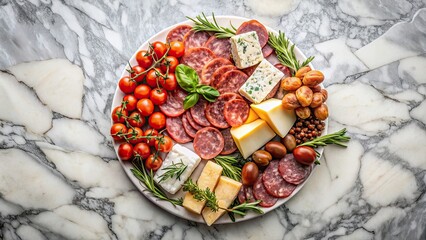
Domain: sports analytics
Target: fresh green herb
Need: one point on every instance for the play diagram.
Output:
(201, 195)
(244, 207)
(285, 51)
(175, 170)
(231, 166)
(190, 100)
(338, 138)
(201, 23)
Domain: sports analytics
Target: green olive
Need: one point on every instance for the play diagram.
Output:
(289, 142)
(276, 149)
(262, 158)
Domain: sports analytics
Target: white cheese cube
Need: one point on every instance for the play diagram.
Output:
(246, 50)
(261, 82)
(178, 156)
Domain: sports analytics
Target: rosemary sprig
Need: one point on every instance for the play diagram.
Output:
(231, 166)
(285, 51)
(175, 170)
(244, 207)
(203, 24)
(338, 138)
(201, 195)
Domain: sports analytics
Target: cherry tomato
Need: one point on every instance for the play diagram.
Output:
(158, 96)
(142, 91)
(153, 76)
(117, 129)
(157, 120)
(153, 162)
(127, 85)
(144, 59)
(118, 115)
(159, 49)
(170, 62)
(136, 120)
(145, 107)
(125, 151)
(137, 71)
(150, 133)
(249, 173)
(130, 102)
(142, 150)
(164, 144)
(170, 83)
(177, 49)
(304, 155)
(135, 135)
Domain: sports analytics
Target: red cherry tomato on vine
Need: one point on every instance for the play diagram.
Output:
(136, 120)
(153, 162)
(142, 91)
(137, 71)
(177, 49)
(158, 96)
(142, 150)
(145, 107)
(164, 144)
(150, 133)
(157, 120)
(130, 102)
(134, 135)
(118, 115)
(304, 155)
(118, 129)
(127, 85)
(170, 83)
(159, 49)
(153, 76)
(169, 62)
(125, 151)
(144, 59)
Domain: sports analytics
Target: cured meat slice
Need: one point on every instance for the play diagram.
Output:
(188, 128)
(267, 50)
(229, 144)
(177, 33)
(274, 183)
(249, 194)
(231, 81)
(242, 195)
(211, 67)
(173, 106)
(214, 111)
(198, 113)
(208, 142)
(191, 121)
(176, 131)
(261, 194)
(219, 73)
(197, 57)
(254, 25)
(292, 171)
(283, 69)
(273, 91)
(250, 70)
(195, 39)
(236, 112)
(220, 46)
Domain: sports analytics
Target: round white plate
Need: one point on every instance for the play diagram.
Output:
(177, 210)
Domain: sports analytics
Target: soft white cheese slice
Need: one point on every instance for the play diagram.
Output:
(246, 50)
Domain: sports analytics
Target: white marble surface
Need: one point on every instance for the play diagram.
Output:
(59, 63)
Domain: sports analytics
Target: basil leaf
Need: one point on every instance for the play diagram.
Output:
(190, 100)
(187, 77)
(209, 93)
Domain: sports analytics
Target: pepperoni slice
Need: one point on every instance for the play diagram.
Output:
(249, 195)
(250, 70)
(173, 106)
(188, 128)
(208, 142)
(219, 73)
(176, 131)
(195, 39)
(292, 171)
(273, 91)
(191, 121)
(261, 194)
(220, 46)
(236, 112)
(274, 183)
(231, 81)
(211, 67)
(283, 69)
(254, 25)
(242, 195)
(177, 33)
(229, 145)
(214, 111)
(198, 113)
(197, 57)
(267, 50)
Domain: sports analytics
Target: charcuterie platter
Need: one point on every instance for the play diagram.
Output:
(220, 119)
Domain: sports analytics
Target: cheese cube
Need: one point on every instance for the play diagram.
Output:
(226, 191)
(246, 50)
(208, 179)
(178, 155)
(252, 136)
(252, 116)
(261, 82)
(278, 118)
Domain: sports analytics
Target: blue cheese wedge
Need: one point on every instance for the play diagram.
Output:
(179, 157)
(261, 82)
(246, 50)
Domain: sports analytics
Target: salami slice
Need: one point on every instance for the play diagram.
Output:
(219, 73)
(211, 67)
(176, 131)
(231, 81)
(188, 128)
(220, 46)
(267, 50)
(177, 33)
(236, 112)
(198, 113)
(254, 25)
(283, 69)
(197, 57)
(274, 183)
(261, 194)
(214, 111)
(242, 195)
(173, 106)
(195, 39)
(250, 70)
(273, 91)
(229, 144)
(192, 122)
(249, 194)
(292, 171)
(208, 142)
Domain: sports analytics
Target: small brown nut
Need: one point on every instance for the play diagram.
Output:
(303, 112)
(304, 95)
(302, 71)
(321, 112)
(291, 83)
(290, 102)
(313, 78)
(324, 95)
(316, 88)
(317, 100)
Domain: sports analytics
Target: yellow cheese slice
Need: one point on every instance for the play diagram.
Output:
(252, 116)
(226, 191)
